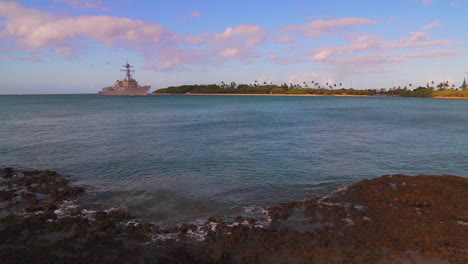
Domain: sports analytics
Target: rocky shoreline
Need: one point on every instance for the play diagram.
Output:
(390, 219)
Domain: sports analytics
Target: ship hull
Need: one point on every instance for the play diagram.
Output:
(140, 91)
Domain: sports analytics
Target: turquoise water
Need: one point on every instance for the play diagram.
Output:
(177, 158)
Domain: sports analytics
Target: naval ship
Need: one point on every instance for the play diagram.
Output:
(127, 86)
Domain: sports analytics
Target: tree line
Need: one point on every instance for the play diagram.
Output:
(442, 89)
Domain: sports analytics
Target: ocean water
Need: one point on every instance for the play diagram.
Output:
(170, 159)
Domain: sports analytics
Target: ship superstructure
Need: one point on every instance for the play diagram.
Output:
(128, 86)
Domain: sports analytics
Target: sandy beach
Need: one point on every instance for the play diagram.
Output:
(449, 97)
(209, 94)
(306, 95)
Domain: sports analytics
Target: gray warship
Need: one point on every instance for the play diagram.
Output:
(127, 86)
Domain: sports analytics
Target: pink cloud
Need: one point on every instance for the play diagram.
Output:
(431, 25)
(34, 30)
(173, 58)
(392, 20)
(85, 4)
(20, 58)
(193, 40)
(382, 63)
(319, 27)
(196, 14)
(417, 40)
(285, 38)
(230, 52)
(427, 2)
(436, 53)
(246, 36)
(191, 16)
(373, 59)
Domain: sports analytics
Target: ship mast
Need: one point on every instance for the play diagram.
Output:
(128, 71)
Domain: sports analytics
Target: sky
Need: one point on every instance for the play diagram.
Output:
(73, 46)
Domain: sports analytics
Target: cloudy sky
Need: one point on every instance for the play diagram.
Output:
(78, 46)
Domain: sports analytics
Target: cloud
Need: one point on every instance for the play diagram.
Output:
(175, 58)
(194, 40)
(34, 30)
(285, 38)
(20, 58)
(431, 25)
(417, 40)
(382, 63)
(246, 36)
(372, 59)
(436, 53)
(392, 20)
(231, 52)
(427, 2)
(85, 4)
(319, 27)
(196, 14)
(193, 15)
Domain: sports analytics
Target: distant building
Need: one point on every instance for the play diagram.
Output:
(464, 84)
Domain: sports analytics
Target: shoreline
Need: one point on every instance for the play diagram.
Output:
(449, 97)
(387, 219)
(305, 95)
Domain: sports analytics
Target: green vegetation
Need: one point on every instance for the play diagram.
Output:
(259, 89)
(451, 93)
(443, 90)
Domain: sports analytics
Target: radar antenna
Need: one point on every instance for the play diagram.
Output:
(128, 71)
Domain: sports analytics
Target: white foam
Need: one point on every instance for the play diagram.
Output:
(213, 226)
(89, 214)
(259, 214)
(198, 235)
(349, 221)
(65, 208)
(164, 237)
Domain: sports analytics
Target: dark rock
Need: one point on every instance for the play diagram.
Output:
(391, 219)
(8, 172)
